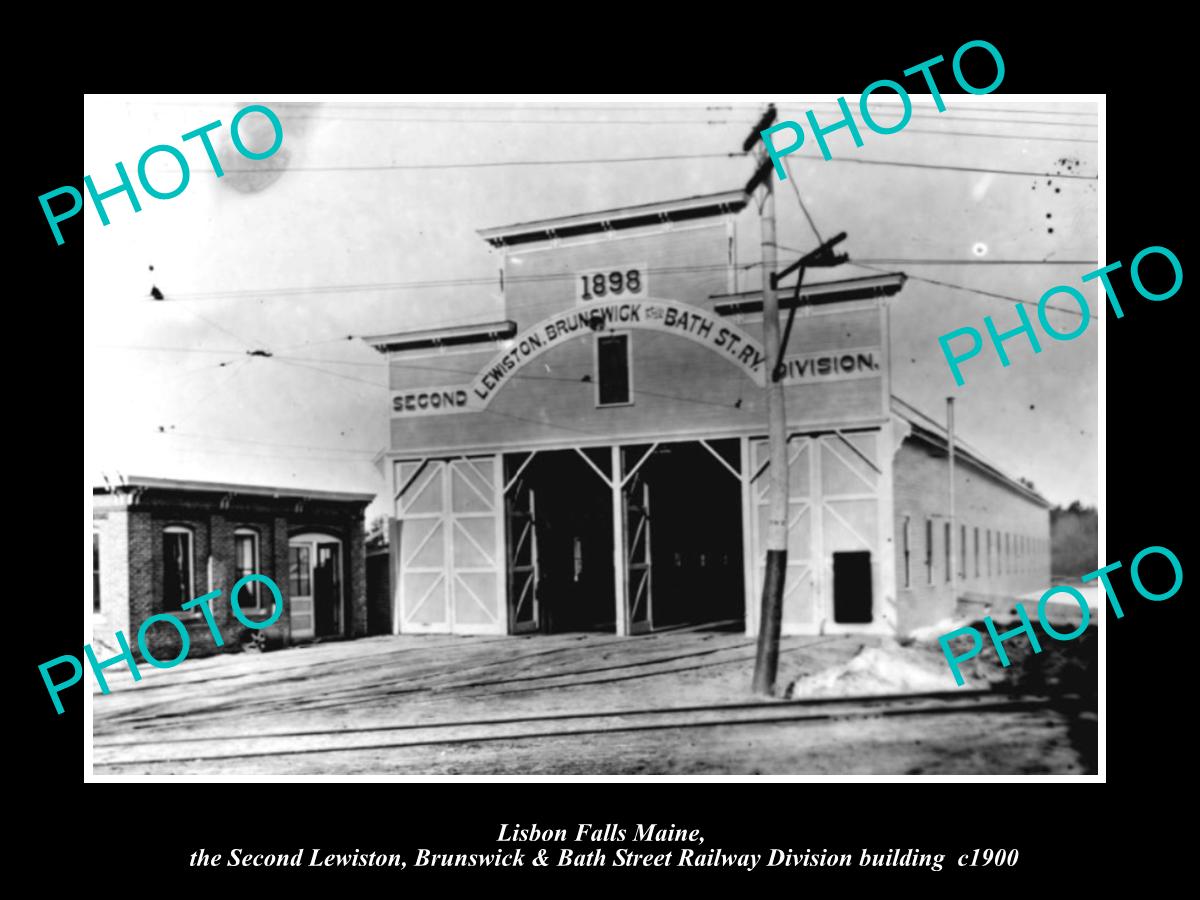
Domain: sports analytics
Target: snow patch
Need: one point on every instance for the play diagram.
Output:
(876, 670)
(931, 633)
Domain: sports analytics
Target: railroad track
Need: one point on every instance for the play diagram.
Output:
(219, 747)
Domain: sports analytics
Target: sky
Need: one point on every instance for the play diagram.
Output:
(369, 201)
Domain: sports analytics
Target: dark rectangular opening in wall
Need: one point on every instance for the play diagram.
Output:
(612, 363)
(695, 534)
(559, 542)
(852, 587)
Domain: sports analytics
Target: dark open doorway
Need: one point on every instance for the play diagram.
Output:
(559, 515)
(696, 534)
(327, 589)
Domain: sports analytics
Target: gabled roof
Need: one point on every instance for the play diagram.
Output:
(926, 428)
(442, 337)
(813, 294)
(620, 218)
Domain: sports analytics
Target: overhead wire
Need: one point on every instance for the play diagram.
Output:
(519, 279)
(982, 293)
(946, 168)
(800, 200)
(492, 164)
(211, 437)
(931, 113)
(681, 122)
(471, 373)
(934, 281)
(296, 361)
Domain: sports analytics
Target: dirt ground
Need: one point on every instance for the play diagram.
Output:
(343, 708)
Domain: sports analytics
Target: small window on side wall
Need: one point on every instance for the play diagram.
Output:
(852, 587)
(245, 545)
(177, 567)
(613, 386)
(95, 571)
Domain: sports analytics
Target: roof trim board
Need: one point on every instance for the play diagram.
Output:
(621, 218)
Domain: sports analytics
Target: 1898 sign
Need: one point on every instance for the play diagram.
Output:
(605, 284)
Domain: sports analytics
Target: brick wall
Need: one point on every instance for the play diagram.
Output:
(214, 568)
(133, 568)
(356, 566)
(280, 634)
(922, 491)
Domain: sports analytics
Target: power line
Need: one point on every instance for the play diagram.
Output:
(1009, 109)
(166, 349)
(895, 260)
(971, 290)
(945, 168)
(473, 373)
(233, 371)
(800, 200)
(1004, 137)
(263, 443)
(569, 162)
(431, 283)
(450, 105)
(402, 119)
(976, 262)
(583, 106)
(335, 340)
(374, 384)
(220, 328)
(209, 452)
(919, 113)
(489, 165)
(677, 122)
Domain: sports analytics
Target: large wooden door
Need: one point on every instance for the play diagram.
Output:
(451, 550)
(300, 590)
(833, 508)
(801, 609)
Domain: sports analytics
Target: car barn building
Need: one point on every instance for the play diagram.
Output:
(595, 458)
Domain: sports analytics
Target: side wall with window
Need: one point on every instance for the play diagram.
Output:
(922, 495)
(176, 556)
(110, 611)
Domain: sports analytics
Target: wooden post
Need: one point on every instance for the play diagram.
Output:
(766, 662)
(620, 570)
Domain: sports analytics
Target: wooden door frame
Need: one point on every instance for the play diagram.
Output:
(312, 539)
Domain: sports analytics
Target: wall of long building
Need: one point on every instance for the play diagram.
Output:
(1013, 531)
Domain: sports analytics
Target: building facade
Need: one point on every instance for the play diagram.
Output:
(595, 458)
(158, 543)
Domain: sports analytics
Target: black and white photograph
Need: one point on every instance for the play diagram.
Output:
(596, 435)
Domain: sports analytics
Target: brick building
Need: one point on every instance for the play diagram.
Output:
(599, 461)
(158, 543)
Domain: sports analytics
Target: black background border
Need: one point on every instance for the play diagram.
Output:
(148, 828)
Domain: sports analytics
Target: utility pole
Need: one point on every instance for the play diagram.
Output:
(953, 524)
(766, 662)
